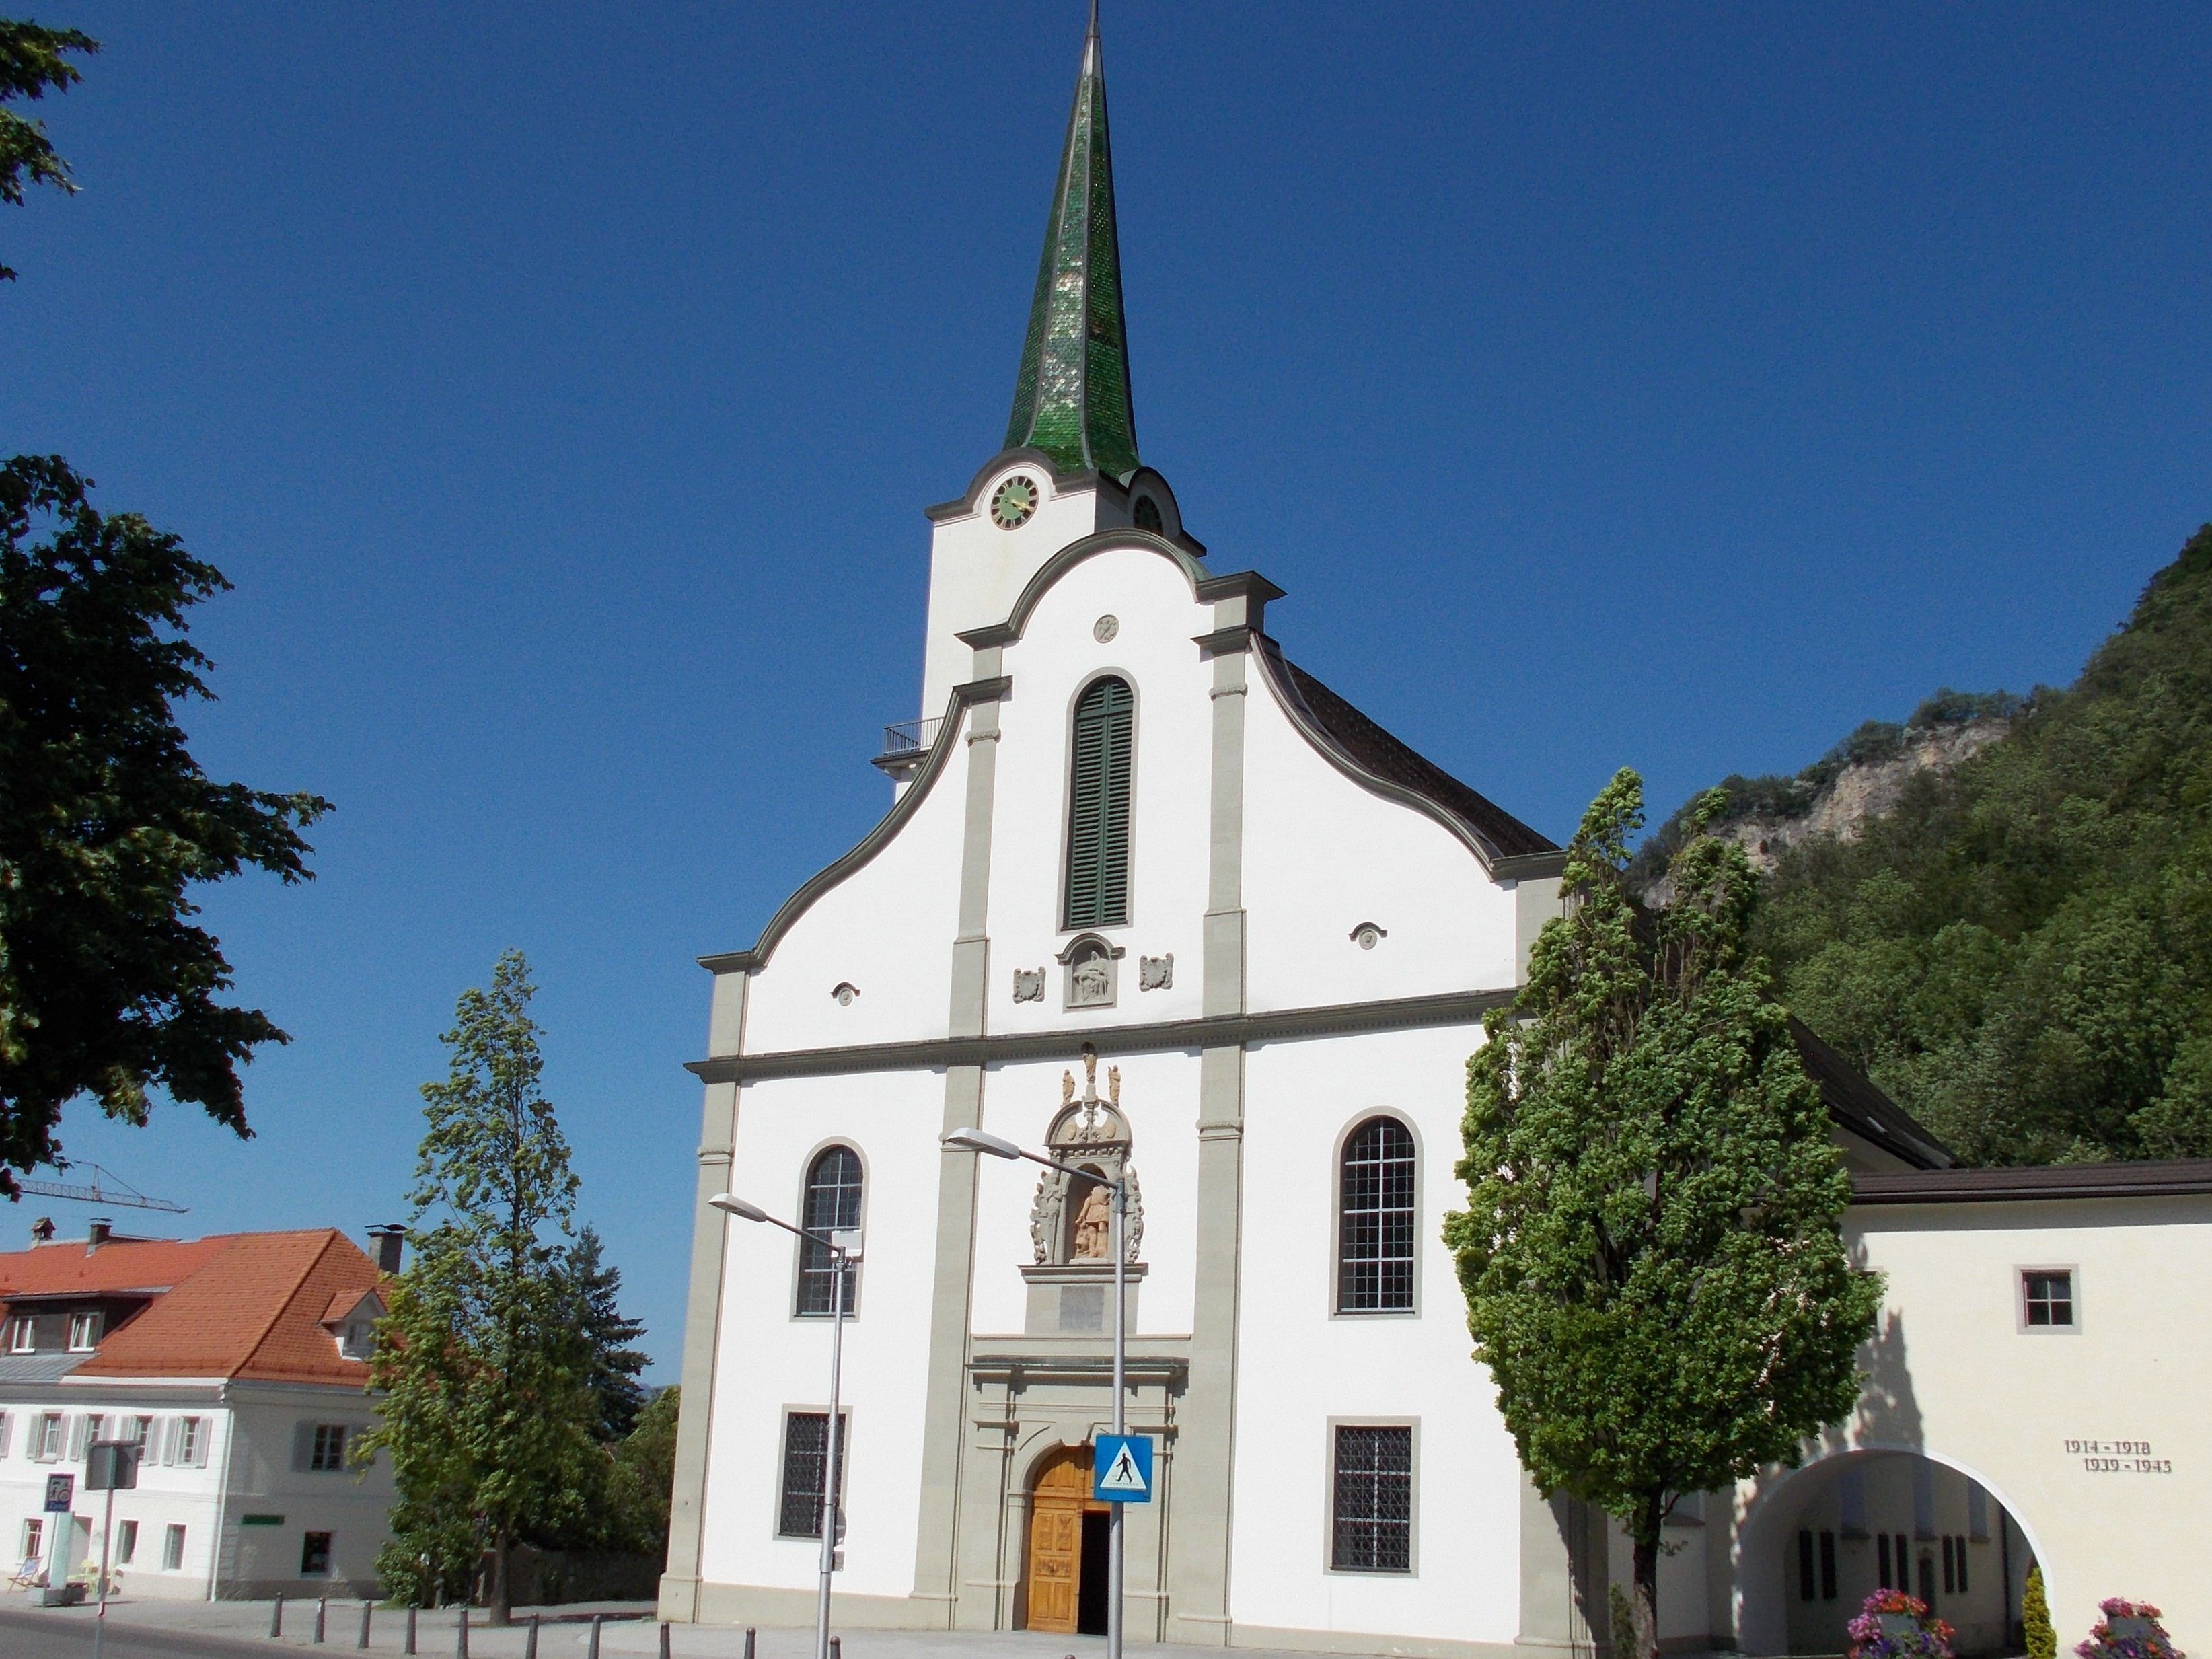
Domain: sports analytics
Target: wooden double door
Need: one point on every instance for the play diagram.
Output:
(1068, 1545)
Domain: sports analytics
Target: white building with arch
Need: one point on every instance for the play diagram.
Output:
(1129, 827)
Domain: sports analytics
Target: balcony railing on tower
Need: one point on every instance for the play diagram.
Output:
(907, 745)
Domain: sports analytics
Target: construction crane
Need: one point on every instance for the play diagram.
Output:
(106, 1187)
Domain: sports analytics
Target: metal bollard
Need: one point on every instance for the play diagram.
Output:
(664, 1642)
(410, 1646)
(364, 1624)
(591, 1648)
(277, 1620)
(322, 1611)
(750, 1634)
(836, 1647)
(461, 1634)
(530, 1642)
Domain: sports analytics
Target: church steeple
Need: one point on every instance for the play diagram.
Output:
(1072, 400)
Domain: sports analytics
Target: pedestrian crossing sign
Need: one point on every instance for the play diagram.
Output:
(1122, 1468)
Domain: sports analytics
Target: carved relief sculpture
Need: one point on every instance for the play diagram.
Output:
(1028, 985)
(1156, 972)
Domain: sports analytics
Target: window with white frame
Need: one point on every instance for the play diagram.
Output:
(327, 1451)
(7, 1431)
(172, 1546)
(2047, 1301)
(357, 1339)
(137, 1431)
(1371, 1507)
(82, 1433)
(47, 1437)
(34, 1538)
(22, 1334)
(187, 1441)
(832, 1204)
(83, 1332)
(127, 1542)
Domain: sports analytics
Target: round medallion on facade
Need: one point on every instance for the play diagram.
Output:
(1105, 628)
(1014, 502)
(1367, 935)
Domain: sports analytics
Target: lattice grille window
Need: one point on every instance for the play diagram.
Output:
(805, 1447)
(1372, 1526)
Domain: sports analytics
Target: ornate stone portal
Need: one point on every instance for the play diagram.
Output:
(1072, 1220)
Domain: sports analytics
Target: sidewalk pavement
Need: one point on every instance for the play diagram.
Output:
(629, 1633)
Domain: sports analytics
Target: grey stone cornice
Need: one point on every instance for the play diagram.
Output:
(1066, 1042)
(1498, 865)
(964, 697)
(1085, 547)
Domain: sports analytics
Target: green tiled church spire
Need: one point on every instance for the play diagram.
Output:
(1072, 400)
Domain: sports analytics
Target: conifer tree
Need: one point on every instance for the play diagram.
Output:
(487, 1412)
(616, 1365)
(1650, 1252)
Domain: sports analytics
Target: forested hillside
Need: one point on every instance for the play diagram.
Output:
(2020, 949)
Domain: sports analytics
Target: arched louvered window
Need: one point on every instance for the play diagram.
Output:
(833, 1202)
(1374, 1220)
(1098, 806)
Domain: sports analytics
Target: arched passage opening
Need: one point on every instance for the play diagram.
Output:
(1822, 1539)
(1064, 1579)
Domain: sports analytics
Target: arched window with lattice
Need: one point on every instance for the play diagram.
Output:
(1375, 1231)
(832, 1203)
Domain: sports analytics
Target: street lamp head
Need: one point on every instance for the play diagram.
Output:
(975, 1141)
(731, 1204)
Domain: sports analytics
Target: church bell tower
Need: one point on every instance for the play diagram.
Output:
(1069, 467)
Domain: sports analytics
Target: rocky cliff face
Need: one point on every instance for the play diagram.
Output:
(1861, 777)
(1862, 790)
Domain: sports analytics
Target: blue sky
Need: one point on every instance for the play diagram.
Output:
(1673, 387)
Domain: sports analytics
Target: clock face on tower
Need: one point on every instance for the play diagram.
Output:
(1013, 502)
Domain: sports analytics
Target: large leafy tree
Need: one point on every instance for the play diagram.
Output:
(1654, 1271)
(106, 987)
(106, 821)
(33, 61)
(488, 1414)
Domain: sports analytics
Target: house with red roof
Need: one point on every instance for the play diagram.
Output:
(238, 1366)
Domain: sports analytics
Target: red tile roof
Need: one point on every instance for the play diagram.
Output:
(248, 1306)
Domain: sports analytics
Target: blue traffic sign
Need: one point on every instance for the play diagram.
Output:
(1122, 1468)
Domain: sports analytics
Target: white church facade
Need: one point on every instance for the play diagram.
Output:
(1151, 895)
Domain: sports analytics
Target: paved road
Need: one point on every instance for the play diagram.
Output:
(37, 1635)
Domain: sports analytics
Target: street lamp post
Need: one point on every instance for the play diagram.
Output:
(844, 1248)
(976, 1140)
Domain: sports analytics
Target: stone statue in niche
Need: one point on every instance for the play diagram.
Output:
(1028, 985)
(1094, 1227)
(1072, 1220)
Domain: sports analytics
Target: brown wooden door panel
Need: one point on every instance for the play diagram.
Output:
(1057, 1502)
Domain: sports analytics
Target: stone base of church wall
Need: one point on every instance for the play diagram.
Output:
(1367, 1642)
(710, 1603)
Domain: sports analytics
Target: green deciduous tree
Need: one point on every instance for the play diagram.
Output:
(1650, 1252)
(106, 821)
(487, 1412)
(33, 61)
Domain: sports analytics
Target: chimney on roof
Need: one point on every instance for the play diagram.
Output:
(42, 1231)
(97, 1234)
(388, 1238)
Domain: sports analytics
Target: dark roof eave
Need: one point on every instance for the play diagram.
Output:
(2169, 1178)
